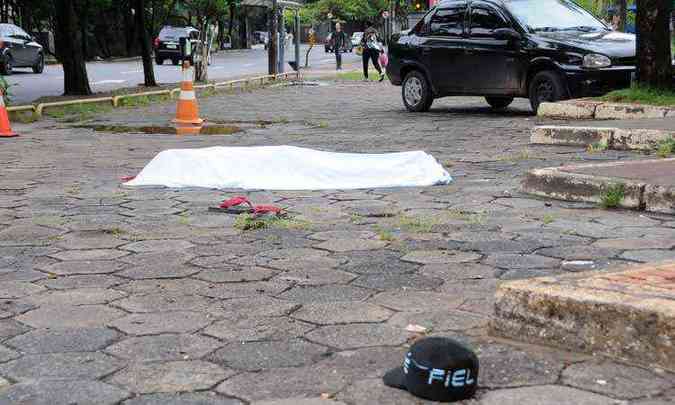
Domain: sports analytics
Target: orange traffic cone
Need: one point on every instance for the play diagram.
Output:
(187, 112)
(5, 128)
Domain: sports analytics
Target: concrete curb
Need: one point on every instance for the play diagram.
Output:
(614, 138)
(612, 314)
(562, 183)
(38, 109)
(591, 109)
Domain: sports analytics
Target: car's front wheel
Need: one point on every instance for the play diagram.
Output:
(7, 67)
(417, 94)
(499, 103)
(546, 86)
(39, 66)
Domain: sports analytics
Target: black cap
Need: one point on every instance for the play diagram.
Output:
(437, 368)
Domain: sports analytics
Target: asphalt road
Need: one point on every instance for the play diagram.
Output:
(107, 76)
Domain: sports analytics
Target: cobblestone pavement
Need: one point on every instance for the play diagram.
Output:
(141, 296)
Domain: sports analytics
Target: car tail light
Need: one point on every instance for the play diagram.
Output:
(156, 42)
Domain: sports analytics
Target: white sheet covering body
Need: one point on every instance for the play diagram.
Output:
(289, 168)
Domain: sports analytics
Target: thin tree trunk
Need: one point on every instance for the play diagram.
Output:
(621, 10)
(69, 49)
(144, 39)
(233, 9)
(653, 43)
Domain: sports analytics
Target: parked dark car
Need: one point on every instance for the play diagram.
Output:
(18, 49)
(545, 50)
(167, 43)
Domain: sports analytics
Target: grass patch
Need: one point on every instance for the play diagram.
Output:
(77, 112)
(666, 148)
(356, 76)
(24, 117)
(385, 234)
(524, 154)
(417, 224)
(641, 95)
(548, 219)
(143, 101)
(598, 147)
(248, 222)
(613, 196)
(115, 232)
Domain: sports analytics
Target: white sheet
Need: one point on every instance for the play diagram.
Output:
(289, 168)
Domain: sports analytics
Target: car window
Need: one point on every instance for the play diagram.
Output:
(448, 22)
(174, 33)
(484, 21)
(20, 32)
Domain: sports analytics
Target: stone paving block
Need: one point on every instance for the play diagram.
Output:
(254, 307)
(85, 267)
(545, 394)
(168, 286)
(163, 302)
(164, 347)
(62, 392)
(89, 240)
(332, 293)
(21, 275)
(373, 391)
(350, 245)
(316, 276)
(18, 289)
(504, 366)
(649, 256)
(91, 254)
(165, 322)
(82, 281)
(254, 356)
(253, 329)
(355, 336)
(244, 290)
(80, 296)
(514, 261)
(42, 341)
(440, 257)
(381, 261)
(464, 271)
(636, 244)
(620, 314)
(617, 380)
(334, 313)
(7, 354)
(417, 301)
(174, 376)
(155, 246)
(60, 366)
(201, 398)
(158, 272)
(439, 321)
(66, 316)
(394, 281)
(236, 274)
(28, 235)
(10, 328)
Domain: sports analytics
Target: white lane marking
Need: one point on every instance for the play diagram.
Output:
(217, 67)
(327, 60)
(109, 82)
(131, 72)
(249, 64)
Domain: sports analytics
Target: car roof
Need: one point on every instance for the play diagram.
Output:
(451, 2)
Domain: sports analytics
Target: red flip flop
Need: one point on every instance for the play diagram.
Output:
(236, 205)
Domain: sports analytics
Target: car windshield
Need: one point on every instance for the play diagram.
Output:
(553, 15)
(173, 33)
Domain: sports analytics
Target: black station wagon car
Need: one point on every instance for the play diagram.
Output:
(545, 50)
(18, 49)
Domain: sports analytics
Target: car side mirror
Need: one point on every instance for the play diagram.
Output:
(507, 34)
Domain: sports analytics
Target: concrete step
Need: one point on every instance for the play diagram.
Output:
(645, 139)
(647, 185)
(628, 315)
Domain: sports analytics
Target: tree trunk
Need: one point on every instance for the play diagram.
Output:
(233, 10)
(69, 49)
(243, 28)
(621, 11)
(144, 39)
(653, 43)
(273, 44)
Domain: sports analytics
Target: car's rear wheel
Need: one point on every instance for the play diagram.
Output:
(39, 66)
(159, 61)
(417, 94)
(499, 103)
(546, 86)
(7, 67)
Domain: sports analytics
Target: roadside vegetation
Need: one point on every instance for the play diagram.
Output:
(613, 196)
(641, 95)
(666, 148)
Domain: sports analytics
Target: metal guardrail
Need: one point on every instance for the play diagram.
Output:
(38, 109)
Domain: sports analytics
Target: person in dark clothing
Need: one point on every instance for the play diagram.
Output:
(339, 43)
(371, 52)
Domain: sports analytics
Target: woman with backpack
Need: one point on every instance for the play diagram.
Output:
(372, 48)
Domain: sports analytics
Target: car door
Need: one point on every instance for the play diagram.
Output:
(16, 45)
(442, 48)
(495, 64)
(24, 55)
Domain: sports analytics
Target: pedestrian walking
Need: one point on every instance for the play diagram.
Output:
(339, 43)
(372, 48)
